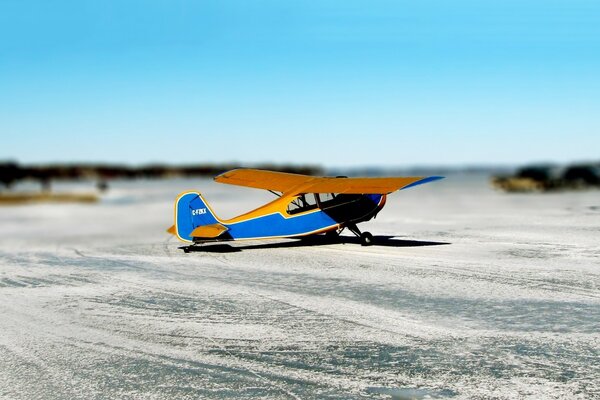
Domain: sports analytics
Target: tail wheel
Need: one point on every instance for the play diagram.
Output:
(366, 239)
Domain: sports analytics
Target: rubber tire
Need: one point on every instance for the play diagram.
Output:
(186, 250)
(366, 239)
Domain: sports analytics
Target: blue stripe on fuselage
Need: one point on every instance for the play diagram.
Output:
(277, 225)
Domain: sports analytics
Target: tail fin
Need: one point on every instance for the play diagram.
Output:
(191, 211)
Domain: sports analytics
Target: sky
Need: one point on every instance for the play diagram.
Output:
(334, 83)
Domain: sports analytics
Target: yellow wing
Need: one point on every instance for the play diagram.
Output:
(295, 183)
(262, 179)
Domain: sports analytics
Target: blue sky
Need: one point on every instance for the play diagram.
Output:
(338, 83)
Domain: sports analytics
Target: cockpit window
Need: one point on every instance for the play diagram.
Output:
(325, 197)
(304, 202)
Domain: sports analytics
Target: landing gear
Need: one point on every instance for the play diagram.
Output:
(366, 239)
(190, 248)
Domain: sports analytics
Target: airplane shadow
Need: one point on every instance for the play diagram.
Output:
(320, 240)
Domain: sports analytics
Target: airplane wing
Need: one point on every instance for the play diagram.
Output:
(366, 185)
(295, 183)
(263, 179)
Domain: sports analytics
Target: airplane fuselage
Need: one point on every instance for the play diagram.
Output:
(308, 205)
(287, 216)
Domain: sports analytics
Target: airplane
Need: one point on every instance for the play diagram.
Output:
(306, 205)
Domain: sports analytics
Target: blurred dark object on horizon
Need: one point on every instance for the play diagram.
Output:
(12, 172)
(9, 199)
(550, 177)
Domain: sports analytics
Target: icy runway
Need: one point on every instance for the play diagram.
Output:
(470, 294)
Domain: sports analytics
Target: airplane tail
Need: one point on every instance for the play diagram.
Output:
(191, 212)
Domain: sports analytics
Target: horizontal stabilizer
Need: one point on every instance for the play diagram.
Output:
(209, 231)
(172, 230)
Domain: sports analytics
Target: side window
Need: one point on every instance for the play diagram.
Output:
(304, 202)
(327, 199)
(293, 207)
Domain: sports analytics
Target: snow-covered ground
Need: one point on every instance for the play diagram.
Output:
(477, 295)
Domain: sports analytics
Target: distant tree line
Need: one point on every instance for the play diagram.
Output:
(12, 172)
(546, 177)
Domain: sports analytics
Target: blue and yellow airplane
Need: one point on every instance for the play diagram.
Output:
(306, 205)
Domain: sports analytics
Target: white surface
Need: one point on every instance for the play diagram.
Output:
(96, 301)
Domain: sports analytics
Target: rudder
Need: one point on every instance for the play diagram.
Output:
(191, 211)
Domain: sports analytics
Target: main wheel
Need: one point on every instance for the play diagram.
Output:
(366, 239)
